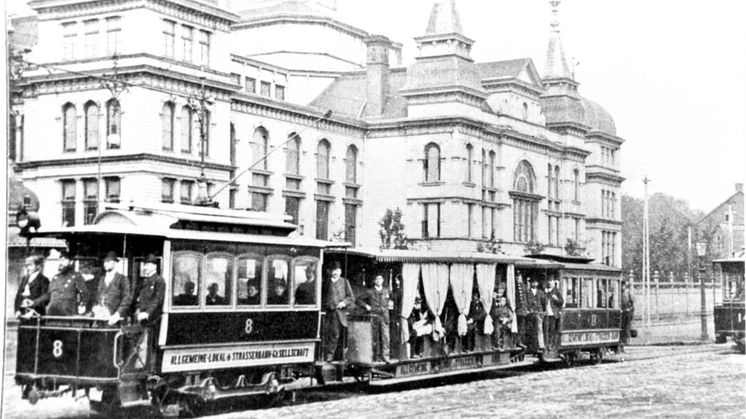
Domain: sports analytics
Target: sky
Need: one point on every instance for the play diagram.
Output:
(672, 73)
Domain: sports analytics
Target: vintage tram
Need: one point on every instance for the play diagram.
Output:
(730, 313)
(258, 331)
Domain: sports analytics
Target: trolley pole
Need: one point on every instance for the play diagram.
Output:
(701, 252)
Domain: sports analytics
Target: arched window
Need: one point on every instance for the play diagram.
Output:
(556, 182)
(70, 122)
(432, 163)
(576, 182)
(351, 165)
(525, 110)
(233, 145)
(322, 159)
(549, 180)
(91, 126)
(292, 158)
(525, 206)
(484, 168)
(491, 170)
(261, 147)
(167, 126)
(113, 123)
(469, 159)
(187, 129)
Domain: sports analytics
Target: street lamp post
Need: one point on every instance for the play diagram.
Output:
(701, 252)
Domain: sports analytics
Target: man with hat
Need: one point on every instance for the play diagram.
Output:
(536, 304)
(338, 296)
(114, 296)
(376, 301)
(152, 292)
(279, 294)
(552, 319)
(31, 289)
(306, 292)
(67, 293)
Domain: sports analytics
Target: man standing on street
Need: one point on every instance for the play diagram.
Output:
(338, 297)
(628, 312)
(68, 293)
(31, 288)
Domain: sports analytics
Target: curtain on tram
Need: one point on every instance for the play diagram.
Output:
(486, 283)
(410, 277)
(462, 280)
(435, 286)
(512, 297)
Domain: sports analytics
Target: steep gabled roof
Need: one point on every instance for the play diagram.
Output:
(522, 69)
(347, 95)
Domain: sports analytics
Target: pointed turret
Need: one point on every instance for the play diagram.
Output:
(444, 18)
(556, 64)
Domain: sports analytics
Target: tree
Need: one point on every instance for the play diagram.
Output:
(534, 247)
(574, 248)
(392, 230)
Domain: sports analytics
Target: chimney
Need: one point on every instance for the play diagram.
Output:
(377, 74)
(739, 187)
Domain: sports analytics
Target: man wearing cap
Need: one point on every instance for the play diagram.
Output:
(306, 292)
(213, 298)
(536, 304)
(31, 288)
(187, 298)
(376, 301)
(552, 318)
(338, 296)
(152, 291)
(114, 296)
(67, 293)
(628, 313)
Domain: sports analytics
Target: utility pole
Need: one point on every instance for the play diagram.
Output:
(702, 252)
(116, 87)
(199, 105)
(646, 256)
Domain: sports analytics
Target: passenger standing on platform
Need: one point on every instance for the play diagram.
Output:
(338, 296)
(31, 289)
(628, 313)
(68, 294)
(553, 316)
(113, 297)
(474, 322)
(152, 292)
(501, 315)
(521, 312)
(535, 304)
(376, 301)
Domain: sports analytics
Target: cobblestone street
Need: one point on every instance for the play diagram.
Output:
(670, 381)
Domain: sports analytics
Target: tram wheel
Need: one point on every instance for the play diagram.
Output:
(597, 356)
(569, 359)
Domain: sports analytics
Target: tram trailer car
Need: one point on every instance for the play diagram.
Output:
(237, 345)
(729, 315)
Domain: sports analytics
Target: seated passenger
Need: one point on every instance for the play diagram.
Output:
(420, 324)
(213, 298)
(252, 295)
(474, 322)
(187, 298)
(306, 292)
(279, 294)
(502, 316)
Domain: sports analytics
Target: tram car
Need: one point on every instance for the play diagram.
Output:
(729, 315)
(240, 315)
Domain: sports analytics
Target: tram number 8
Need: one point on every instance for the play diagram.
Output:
(249, 326)
(57, 348)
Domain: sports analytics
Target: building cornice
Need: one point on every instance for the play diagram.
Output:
(600, 222)
(75, 160)
(304, 19)
(495, 85)
(599, 136)
(603, 175)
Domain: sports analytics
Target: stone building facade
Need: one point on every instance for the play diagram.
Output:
(127, 94)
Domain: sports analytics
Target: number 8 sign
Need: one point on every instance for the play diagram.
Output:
(57, 348)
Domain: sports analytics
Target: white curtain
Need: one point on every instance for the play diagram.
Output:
(462, 279)
(486, 283)
(410, 276)
(435, 286)
(512, 297)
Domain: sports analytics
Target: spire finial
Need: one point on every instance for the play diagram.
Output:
(555, 11)
(556, 64)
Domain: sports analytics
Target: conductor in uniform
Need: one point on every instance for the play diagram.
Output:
(68, 293)
(338, 296)
(152, 292)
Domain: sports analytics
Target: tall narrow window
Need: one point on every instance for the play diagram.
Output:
(491, 170)
(91, 126)
(576, 185)
(250, 85)
(261, 147)
(292, 160)
(292, 207)
(469, 219)
(265, 88)
(431, 220)
(351, 165)
(187, 40)
(322, 220)
(322, 159)
(469, 160)
(167, 126)
(279, 92)
(90, 40)
(68, 203)
(556, 182)
(549, 181)
(613, 204)
(350, 223)
(169, 34)
(432, 163)
(113, 124)
(525, 203)
(69, 39)
(90, 200)
(525, 111)
(167, 190)
(113, 35)
(113, 188)
(70, 122)
(187, 128)
(187, 188)
(204, 48)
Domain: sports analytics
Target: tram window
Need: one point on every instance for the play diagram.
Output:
(218, 279)
(250, 280)
(587, 293)
(601, 293)
(614, 290)
(187, 271)
(305, 272)
(572, 292)
(277, 281)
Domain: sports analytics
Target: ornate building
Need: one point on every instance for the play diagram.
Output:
(141, 99)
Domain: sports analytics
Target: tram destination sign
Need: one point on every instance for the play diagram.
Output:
(193, 359)
(586, 338)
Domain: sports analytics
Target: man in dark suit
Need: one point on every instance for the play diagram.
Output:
(67, 291)
(31, 289)
(376, 302)
(114, 295)
(536, 304)
(213, 298)
(152, 292)
(474, 322)
(338, 297)
(553, 316)
(187, 298)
